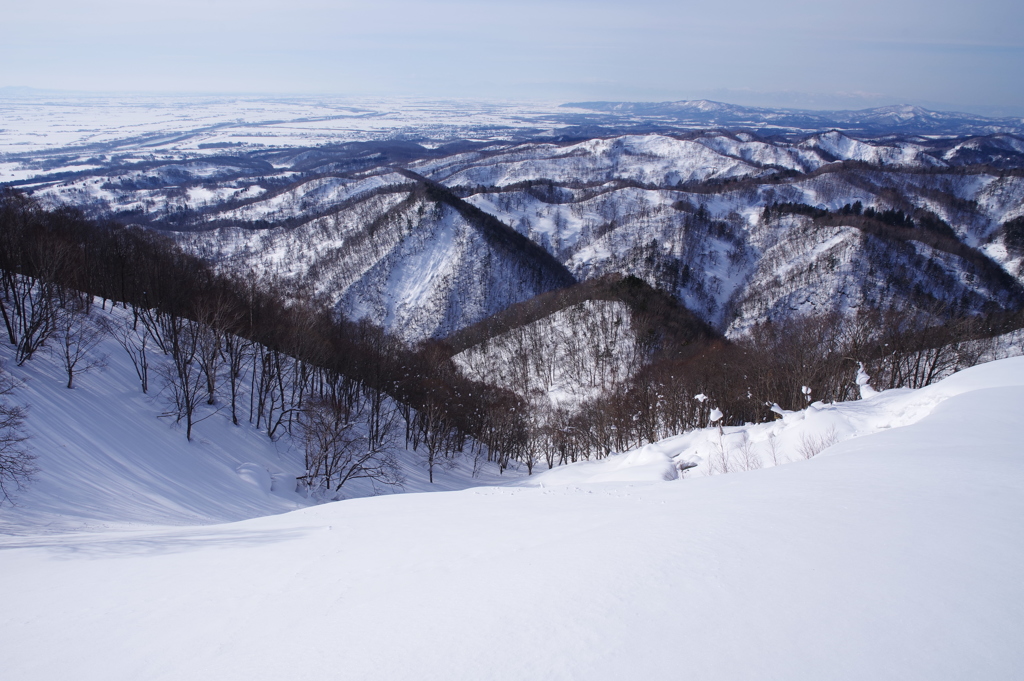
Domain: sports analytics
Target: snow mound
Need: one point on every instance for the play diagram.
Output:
(647, 464)
(256, 475)
(795, 436)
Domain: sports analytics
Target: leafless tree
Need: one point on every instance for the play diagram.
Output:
(749, 459)
(76, 335)
(812, 445)
(338, 448)
(17, 464)
(238, 352)
(182, 374)
(135, 339)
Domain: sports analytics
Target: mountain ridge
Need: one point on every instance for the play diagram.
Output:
(897, 118)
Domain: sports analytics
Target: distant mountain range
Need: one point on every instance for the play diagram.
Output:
(885, 120)
(739, 227)
(427, 227)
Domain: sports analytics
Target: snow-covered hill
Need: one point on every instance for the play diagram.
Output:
(891, 555)
(109, 457)
(565, 358)
(685, 211)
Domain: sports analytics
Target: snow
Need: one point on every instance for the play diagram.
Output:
(892, 555)
(108, 460)
(796, 436)
(314, 225)
(570, 356)
(651, 159)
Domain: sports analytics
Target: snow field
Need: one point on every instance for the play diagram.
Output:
(895, 555)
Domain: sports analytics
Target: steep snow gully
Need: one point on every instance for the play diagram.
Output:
(894, 554)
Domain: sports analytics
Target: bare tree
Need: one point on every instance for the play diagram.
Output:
(238, 352)
(33, 303)
(338, 448)
(812, 445)
(749, 459)
(77, 334)
(135, 339)
(182, 374)
(16, 462)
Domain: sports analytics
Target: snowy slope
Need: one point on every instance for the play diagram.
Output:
(794, 436)
(107, 459)
(562, 359)
(890, 556)
(648, 159)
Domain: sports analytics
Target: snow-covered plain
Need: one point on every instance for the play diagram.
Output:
(891, 555)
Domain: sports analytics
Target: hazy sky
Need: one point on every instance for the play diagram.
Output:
(954, 53)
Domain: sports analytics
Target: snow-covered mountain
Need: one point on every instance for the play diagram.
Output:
(870, 538)
(429, 238)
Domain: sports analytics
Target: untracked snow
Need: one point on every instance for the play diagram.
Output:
(108, 458)
(893, 555)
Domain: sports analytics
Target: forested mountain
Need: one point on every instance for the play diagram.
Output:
(739, 228)
(567, 277)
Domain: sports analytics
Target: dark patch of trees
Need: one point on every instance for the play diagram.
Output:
(894, 225)
(1013, 233)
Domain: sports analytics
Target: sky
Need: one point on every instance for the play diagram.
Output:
(814, 54)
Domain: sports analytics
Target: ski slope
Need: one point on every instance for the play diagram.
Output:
(892, 555)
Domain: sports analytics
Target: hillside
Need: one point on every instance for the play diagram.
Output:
(428, 241)
(891, 555)
(577, 343)
(111, 457)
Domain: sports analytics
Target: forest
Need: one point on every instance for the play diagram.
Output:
(353, 394)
